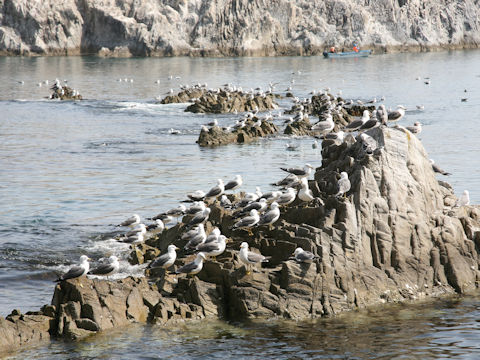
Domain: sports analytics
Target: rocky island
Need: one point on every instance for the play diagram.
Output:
(396, 234)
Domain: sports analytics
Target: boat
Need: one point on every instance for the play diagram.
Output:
(360, 53)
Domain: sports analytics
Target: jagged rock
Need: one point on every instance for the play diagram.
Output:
(216, 135)
(299, 128)
(357, 110)
(236, 28)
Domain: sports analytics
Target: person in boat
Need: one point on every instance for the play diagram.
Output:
(355, 47)
(332, 49)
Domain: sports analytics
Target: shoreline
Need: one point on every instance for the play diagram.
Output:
(232, 53)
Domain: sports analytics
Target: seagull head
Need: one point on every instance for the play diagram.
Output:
(297, 251)
(216, 231)
(85, 258)
(244, 245)
(253, 212)
(274, 205)
(201, 256)
(308, 166)
(171, 248)
(344, 175)
(219, 181)
(112, 259)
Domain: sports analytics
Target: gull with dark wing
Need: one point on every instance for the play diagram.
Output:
(299, 172)
(396, 115)
(270, 216)
(250, 258)
(438, 169)
(357, 124)
(234, 184)
(324, 126)
(259, 205)
(158, 226)
(217, 190)
(291, 180)
(196, 207)
(106, 269)
(303, 256)
(193, 267)
(166, 260)
(213, 236)
(200, 218)
(343, 185)
(196, 195)
(213, 248)
(197, 239)
(131, 221)
(135, 239)
(287, 197)
(247, 222)
(76, 271)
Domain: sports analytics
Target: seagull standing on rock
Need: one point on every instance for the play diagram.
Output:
(131, 221)
(305, 194)
(213, 248)
(287, 197)
(464, 199)
(166, 260)
(248, 222)
(250, 258)
(197, 239)
(194, 267)
(106, 269)
(76, 271)
(200, 218)
(216, 190)
(396, 115)
(343, 185)
(270, 216)
(324, 126)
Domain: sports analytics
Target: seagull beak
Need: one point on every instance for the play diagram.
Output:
(177, 248)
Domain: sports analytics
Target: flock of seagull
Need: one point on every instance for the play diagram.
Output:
(252, 209)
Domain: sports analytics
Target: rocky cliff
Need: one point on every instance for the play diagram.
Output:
(233, 27)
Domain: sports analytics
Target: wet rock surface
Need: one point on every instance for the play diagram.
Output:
(393, 236)
(215, 135)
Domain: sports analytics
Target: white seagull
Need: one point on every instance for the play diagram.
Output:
(250, 258)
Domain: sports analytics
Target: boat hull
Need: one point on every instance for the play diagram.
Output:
(361, 53)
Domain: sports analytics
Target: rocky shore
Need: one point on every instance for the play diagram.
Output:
(395, 235)
(234, 28)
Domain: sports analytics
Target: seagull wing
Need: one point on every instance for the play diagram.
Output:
(305, 256)
(74, 272)
(102, 270)
(256, 258)
(269, 217)
(209, 247)
(129, 221)
(187, 268)
(160, 261)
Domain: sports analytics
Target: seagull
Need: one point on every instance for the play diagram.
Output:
(464, 199)
(142, 229)
(357, 124)
(194, 267)
(166, 260)
(131, 221)
(249, 258)
(287, 197)
(291, 147)
(382, 114)
(173, 131)
(343, 184)
(157, 225)
(234, 184)
(369, 143)
(397, 114)
(248, 221)
(303, 256)
(305, 172)
(270, 216)
(271, 196)
(214, 235)
(196, 195)
(213, 248)
(290, 180)
(225, 202)
(76, 271)
(134, 239)
(259, 205)
(324, 126)
(200, 218)
(438, 169)
(197, 239)
(416, 128)
(315, 144)
(106, 269)
(305, 194)
(196, 207)
(216, 190)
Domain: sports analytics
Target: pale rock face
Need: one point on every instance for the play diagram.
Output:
(230, 27)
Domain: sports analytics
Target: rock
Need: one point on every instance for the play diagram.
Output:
(65, 93)
(237, 28)
(216, 135)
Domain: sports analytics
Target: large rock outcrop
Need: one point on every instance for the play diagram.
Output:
(395, 236)
(232, 27)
